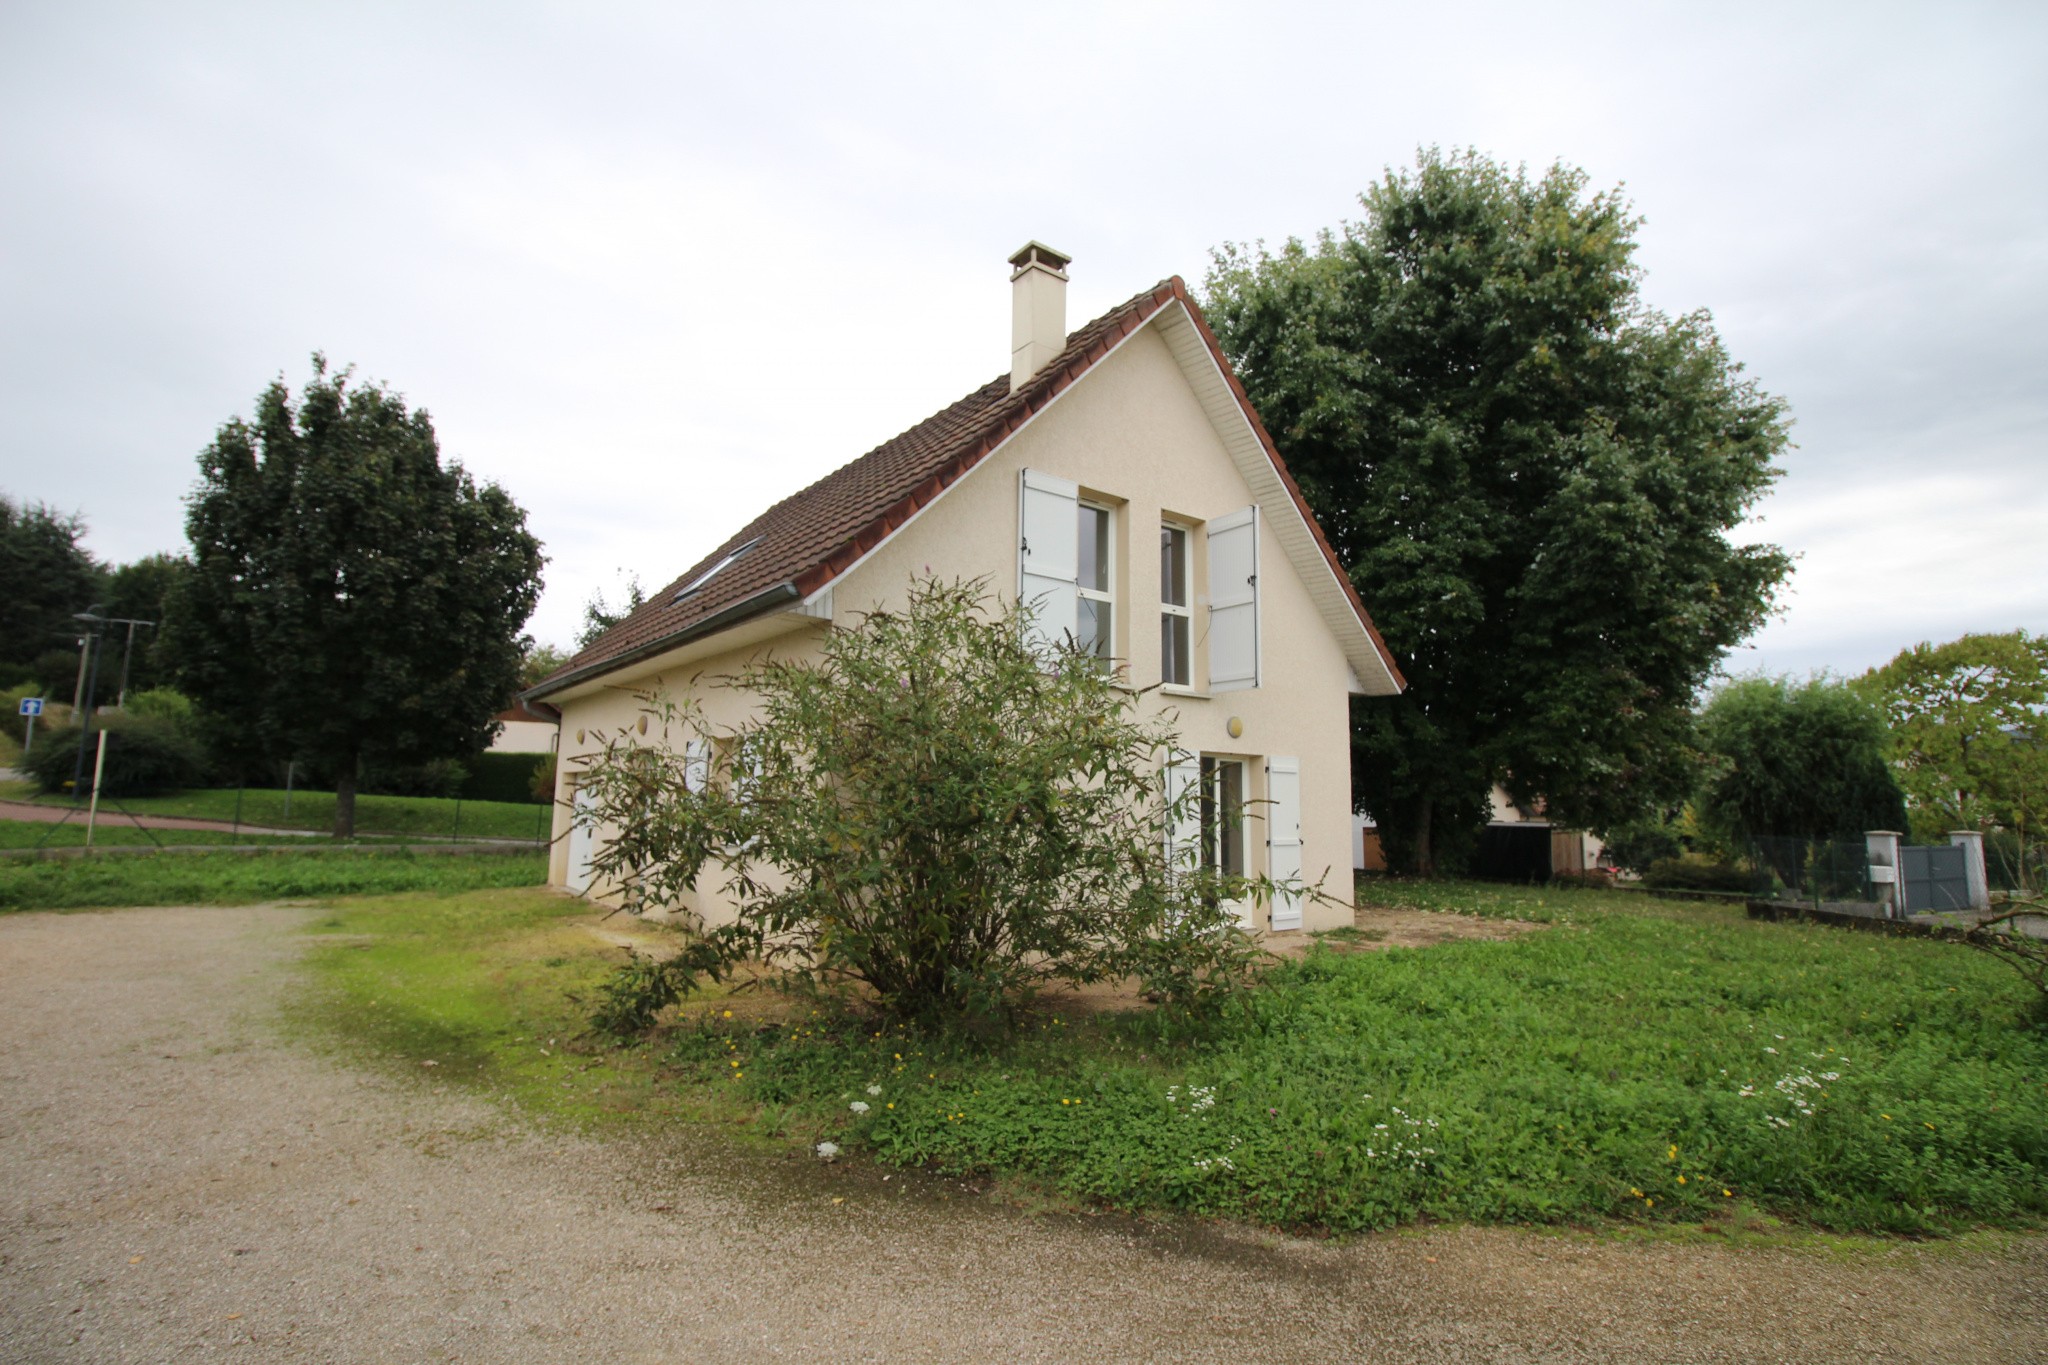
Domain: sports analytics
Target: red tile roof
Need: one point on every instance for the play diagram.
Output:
(808, 539)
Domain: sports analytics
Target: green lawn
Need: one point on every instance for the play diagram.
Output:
(416, 816)
(1639, 1061)
(241, 878)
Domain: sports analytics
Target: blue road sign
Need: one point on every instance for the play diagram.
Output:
(31, 706)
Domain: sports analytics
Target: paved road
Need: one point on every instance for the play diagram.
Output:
(181, 1185)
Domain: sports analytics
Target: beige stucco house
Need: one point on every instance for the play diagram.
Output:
(1116, 475)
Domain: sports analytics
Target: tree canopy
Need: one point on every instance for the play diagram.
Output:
(1969, 729)
(141, 591)
(1530, 475)
(46, 576)
(1796, 762)
(352, 599)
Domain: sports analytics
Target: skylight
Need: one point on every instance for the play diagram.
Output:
(697, 584)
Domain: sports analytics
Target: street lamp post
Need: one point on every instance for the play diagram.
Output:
(127, 652)
(95, 626)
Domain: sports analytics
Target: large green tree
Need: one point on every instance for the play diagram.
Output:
(1969, 729)
(352, 598)
(1796, 762)
(46, 576)
(1530, 475)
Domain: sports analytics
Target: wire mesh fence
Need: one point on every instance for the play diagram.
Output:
(2014, 862)
(1809, 869)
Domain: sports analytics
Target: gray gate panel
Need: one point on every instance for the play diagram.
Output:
(1935, 876)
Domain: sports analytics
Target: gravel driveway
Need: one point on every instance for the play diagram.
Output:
(181, 1184)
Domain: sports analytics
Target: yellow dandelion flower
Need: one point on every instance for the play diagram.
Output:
(1727, 1194)
(1681, 1180)
(728, 1014)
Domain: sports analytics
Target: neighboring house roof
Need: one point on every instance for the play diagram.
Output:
(801, 544)
(529, 712)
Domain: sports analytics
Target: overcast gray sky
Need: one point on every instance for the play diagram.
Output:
(654, 267)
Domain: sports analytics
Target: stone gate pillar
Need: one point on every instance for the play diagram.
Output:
(1887, 887)
(1971, 842)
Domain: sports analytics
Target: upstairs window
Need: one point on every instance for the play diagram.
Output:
(1095, 609)
(1176, 624)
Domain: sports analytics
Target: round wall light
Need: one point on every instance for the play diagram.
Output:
(1236, 727)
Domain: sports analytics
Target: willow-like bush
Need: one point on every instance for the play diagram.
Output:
(930, 809)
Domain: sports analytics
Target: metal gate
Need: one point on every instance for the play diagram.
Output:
(1935, 877)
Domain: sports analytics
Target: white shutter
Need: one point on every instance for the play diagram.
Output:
(582, 841)
(1183, 812)
(1283, 836)
(1048, 555)
(1234, 601)
(696, 764)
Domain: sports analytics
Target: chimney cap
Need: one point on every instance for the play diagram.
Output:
(1039, 254)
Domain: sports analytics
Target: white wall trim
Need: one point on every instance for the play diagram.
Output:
(1283, 516)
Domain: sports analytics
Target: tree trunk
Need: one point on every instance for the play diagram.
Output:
(1425, 860)
(345, 801)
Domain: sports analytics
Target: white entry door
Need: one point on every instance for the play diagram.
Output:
(582, 843)
(1283, 836)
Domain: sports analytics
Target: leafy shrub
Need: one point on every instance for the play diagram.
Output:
(541, 786)
(56, 714)
(1640, 843)
(501, 777)
(629, 1000)
(145, 755)
(933, 811)
(1697, 874)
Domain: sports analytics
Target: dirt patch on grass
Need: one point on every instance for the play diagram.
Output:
(1379, 927)
(749, 996)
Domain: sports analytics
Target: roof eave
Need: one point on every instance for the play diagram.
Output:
(760, 604)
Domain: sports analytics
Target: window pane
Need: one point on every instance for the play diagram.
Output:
(1173, 650)
(1209, 814)
(1173, 566)
(1223, 816)
(1230, 797)
(1091, 627)
(1094, 566)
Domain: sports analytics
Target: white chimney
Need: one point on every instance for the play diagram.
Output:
(1038, 310)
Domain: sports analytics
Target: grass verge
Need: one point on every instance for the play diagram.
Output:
(484, 989)
(1640, 1064)
(116, 831)
(242, 878)
(418, 816)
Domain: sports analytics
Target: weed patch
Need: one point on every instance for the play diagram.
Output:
(1654, 1069)
(1637, 1066)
